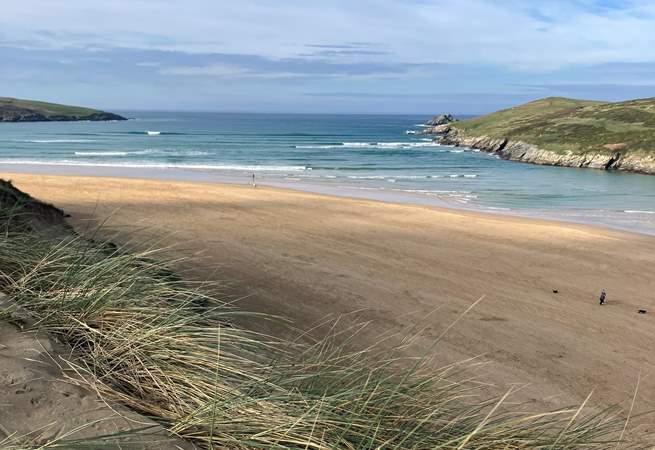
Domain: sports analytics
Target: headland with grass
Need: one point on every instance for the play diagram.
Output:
(19, 110)
(563, 132)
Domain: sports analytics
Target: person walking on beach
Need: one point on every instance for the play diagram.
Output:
(253, 180)
(601, 299)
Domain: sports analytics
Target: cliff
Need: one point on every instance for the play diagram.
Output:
(530, 153)
(564, 132)
(16, 110)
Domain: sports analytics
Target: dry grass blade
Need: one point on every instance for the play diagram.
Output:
(145, 338)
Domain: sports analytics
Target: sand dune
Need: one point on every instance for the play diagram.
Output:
(307, 256)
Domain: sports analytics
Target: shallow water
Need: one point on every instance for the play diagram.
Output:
(381, 157)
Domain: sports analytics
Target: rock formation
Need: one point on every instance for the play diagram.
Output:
(529, 153)
(441, 119)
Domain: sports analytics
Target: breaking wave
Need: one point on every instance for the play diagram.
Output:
(373, 145)
(147, 165)
(59, 141)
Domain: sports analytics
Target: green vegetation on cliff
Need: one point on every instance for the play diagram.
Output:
(579, 126)
(16, 110)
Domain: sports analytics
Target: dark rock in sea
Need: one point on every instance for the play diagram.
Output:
(441, 119)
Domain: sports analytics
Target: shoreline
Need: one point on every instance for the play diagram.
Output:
(644, 227)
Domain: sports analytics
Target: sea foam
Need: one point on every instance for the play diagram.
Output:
(372, 145)
(145, 165)
(638, 211)
(58, 141)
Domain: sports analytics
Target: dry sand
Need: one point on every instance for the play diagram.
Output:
(38, 405)
(307, 256)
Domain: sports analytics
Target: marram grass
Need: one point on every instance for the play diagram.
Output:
(165, 348)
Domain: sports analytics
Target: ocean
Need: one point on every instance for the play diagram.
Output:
(371, 156)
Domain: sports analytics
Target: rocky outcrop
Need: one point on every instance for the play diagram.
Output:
(529, 153)
(441, 119)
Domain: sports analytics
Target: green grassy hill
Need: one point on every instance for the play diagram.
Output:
(565, 125)
(17, 110)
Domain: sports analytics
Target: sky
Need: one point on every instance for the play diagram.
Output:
(329, 56)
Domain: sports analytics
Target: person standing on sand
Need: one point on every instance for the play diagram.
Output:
(253, 180)
(602, 297)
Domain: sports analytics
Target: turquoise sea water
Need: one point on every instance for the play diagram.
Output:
(378, 157)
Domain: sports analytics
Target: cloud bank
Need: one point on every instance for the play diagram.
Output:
(288, 55)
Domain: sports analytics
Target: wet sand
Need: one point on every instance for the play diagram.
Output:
(307, 257)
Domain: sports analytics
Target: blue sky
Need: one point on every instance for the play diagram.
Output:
(335, 56)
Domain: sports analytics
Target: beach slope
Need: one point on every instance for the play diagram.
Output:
(403, 267)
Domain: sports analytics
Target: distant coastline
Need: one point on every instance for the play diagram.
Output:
(354, 156)
(17, 110)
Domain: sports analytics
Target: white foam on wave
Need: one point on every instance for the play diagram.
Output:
(638, 211)
(400, 145)
(59, 141)
(102, 153)
(410, 177)
(464, 197)
(367, 177)
(141, 152)
(456, 175)
(434, 191)
(324, 146)
(384, 177)
(390, 144)
(146, 165)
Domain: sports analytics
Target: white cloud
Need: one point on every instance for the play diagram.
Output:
(235, 71)
(214, 70)
(511, 33)
(148, 64)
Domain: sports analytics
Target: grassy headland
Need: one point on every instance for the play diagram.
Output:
(17, 110)
(568, 132)
(165, 347)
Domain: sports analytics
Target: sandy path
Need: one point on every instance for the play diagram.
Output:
(307, 256)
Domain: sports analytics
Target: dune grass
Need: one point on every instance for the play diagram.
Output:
(164, 347)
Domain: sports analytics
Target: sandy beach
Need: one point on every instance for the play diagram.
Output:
(402, 267)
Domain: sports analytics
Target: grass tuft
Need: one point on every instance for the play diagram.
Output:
(167, 349)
